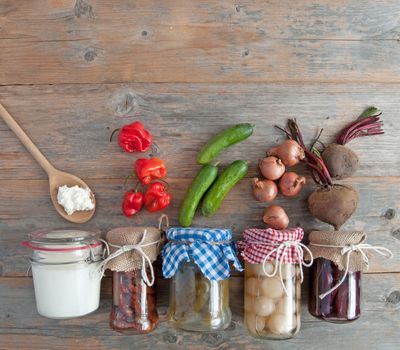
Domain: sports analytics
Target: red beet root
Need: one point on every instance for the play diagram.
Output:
(333, 205)
(340, 160)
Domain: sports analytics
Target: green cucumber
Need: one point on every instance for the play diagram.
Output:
(223, 140)
(225, 182)
(200, 184)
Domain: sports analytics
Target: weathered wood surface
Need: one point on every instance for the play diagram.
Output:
(72, 123)
(112, 62)
(21, 328)
(86, 41)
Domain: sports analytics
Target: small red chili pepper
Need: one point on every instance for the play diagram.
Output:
(157, 198)
(134, 138)
(132, 203)
(148, 169)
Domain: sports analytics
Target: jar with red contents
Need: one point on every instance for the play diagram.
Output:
(134, 305)
(133, 251)
(343, 303)
(339, 260)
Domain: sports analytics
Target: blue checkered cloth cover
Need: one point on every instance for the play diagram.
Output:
(213, 260)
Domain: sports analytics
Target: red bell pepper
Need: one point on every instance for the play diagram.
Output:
(132, 203)
(148, 169)
(134, 138)
(157, 197)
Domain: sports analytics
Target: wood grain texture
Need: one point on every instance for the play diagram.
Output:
(188, 41)
(71, 71)
(71, 124)
(22, 328)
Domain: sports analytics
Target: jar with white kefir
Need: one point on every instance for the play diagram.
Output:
(273, 276)
(65, 271)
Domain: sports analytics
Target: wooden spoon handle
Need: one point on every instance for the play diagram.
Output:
(26, 141)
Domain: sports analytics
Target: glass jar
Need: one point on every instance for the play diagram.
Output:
(64, 269)
(270, 312)
(134, 303)
(197, 303)
(342, 304)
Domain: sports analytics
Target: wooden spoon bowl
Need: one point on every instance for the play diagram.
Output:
(57, 178)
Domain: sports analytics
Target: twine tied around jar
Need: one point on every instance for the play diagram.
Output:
(258, 246)
(299, 249)
(138, 248)
(347, 250)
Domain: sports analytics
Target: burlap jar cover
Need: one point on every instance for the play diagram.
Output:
(347, 250)
(134, 248)
(329, 245)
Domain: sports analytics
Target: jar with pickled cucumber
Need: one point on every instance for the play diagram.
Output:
(197, 303)
(198, 263)
(273, 276)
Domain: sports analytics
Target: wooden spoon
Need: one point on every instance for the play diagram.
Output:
(56, 177)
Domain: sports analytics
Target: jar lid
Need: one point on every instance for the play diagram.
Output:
(62, 239)
(212, 250)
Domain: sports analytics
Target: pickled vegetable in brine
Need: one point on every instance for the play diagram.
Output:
(197, 303)
(343, 303)
(269, 311)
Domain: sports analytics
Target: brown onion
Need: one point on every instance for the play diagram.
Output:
(272, 168)
(290, 152)
(276, 217)
(264, 190)
(290, 184)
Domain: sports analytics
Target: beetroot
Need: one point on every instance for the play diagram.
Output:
(334, 204)
(331, 203)
(340, 160)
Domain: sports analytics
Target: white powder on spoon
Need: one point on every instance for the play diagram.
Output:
(74, 199)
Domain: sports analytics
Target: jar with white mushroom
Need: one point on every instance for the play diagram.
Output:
(271, 311)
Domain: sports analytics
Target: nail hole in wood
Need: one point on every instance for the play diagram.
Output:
(390, 214)
(90, 55)
(396, 233)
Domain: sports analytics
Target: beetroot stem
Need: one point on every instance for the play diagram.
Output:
(287, 133)
(313, 160)
(367, 124)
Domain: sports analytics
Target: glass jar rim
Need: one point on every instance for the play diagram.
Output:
(63, 240)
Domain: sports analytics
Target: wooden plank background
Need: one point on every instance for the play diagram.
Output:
(72, 71)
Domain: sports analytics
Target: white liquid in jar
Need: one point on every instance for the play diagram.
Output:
(65, 291)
